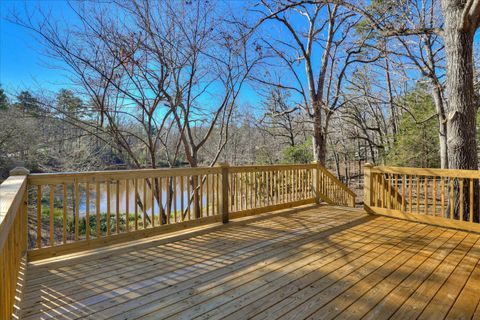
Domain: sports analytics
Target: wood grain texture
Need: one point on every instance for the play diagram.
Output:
(317, 262)
(13, 239)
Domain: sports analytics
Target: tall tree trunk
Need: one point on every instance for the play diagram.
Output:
(461, 126)
(393, 113)
(442, 127)
(319, 139)
(458, 36)
(438, 99)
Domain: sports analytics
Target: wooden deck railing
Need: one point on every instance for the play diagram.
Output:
(77, 211)
(256, 189)
(333, 191)
(442, 197)
(43, 215)
(13, 238)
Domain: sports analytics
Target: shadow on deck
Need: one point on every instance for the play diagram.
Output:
(318, 262)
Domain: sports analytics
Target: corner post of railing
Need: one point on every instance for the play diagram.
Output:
(367, 187)
(224, 192)
(22, 171)
(317, 182)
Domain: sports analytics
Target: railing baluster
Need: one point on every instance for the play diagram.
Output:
(241, 190)
(108, 208)
(389, 192)
(278, 187)
(452, 195)
(182, 196)
(188, 198)
(77, 209)
(135, 186)
(270, 173)
(292, 187)
(64, 220)
(152, 200)
(117, 207)
(410, 193)
(302, 184)
(217, 194)
(246, 189)
(384, 204)
(127, 205)
(395, 192)
(425, 194)
(39, 217)
(160, 201)
(234, 192)
(460, 214)
(418, 180)
(169, 198)
(174, 198)
(443, 197)
(144, 203)
(470, 216)
(87, 211)
(97, 208)
(250, 189)
(52, 212)
(297, 184)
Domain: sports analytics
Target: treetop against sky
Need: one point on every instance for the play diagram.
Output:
(322, 64)
(23, 66)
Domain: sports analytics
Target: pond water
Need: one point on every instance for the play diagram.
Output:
(144, 193)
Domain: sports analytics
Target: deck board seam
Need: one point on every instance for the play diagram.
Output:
(426, 279)
(402, 263)
(385, 222)
(369, 272)
(374, 248)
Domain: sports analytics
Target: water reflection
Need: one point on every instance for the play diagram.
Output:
(144, 195)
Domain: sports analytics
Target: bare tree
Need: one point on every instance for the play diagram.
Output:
(280, 119)
(326, 47)
(153, 71)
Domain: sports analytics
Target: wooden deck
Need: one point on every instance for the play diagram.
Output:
(312, 262)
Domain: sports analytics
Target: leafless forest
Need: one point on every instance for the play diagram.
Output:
(195, 83)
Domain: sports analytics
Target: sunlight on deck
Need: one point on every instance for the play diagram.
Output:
(320, 262)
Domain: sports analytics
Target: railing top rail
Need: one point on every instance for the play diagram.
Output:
(52, 178)
(428, 172)
(60, 177)
(271, 167)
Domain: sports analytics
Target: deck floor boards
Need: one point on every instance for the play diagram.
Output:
(319, 262)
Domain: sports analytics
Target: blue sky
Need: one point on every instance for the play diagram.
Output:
(22, 64)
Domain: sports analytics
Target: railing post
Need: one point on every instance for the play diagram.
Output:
(22, 171)
(352, 202)
(19, 171)
(367, 187)
(224, 192)
(13, 238)
(317, 182)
